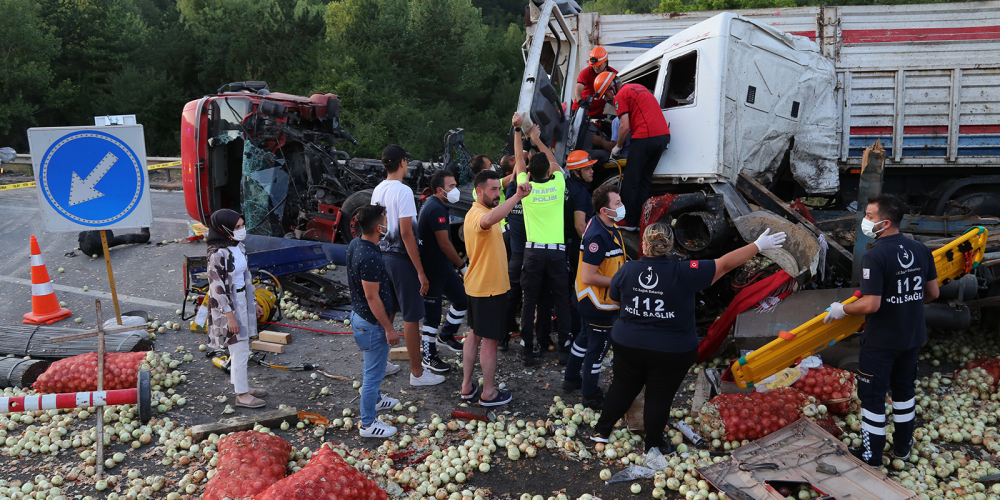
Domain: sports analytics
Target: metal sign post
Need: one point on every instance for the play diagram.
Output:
(100, 383)
(92, 178)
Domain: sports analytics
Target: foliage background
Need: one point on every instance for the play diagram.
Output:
(406, 70)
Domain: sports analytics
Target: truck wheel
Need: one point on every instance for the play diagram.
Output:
(352, 203)
(982, 204)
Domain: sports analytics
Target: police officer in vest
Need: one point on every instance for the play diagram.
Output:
(545, 249)
(897, 276)
(601, 255)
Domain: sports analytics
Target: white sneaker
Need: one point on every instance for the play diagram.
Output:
(391, 369)
(378, 429)
(428, 378)
(385, 403)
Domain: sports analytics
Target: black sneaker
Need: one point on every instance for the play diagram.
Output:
(597, 438)
(450, 343)
(595, 401)
(504, 346)
(434, 364)
(876, 461)
(665, 449)
(570, 385)
(897, 456)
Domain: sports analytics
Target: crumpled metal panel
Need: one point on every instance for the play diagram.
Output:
(800, 453)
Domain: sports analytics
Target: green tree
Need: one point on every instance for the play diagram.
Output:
(408, 71)
(270, 40)
(621, 6)
(27, 46)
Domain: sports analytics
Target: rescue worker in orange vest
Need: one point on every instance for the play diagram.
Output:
(598, 63)
(641, 121)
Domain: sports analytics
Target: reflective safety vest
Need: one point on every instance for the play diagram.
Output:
(614, 259)
(544, 209)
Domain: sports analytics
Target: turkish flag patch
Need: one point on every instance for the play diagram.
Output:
(593, 248)
(694, 264)
(442, 220)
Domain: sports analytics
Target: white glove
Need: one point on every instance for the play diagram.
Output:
(464, 270)
(768, 241)
(835, 312)
(615, 150)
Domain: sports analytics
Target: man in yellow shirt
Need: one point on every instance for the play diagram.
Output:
(486, 285)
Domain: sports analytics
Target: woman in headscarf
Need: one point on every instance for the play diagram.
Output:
(231, 319)
(654, 338)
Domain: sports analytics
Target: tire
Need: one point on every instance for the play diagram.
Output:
(352, 203)
(981, 204)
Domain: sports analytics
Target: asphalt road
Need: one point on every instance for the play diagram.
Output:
(149, 278)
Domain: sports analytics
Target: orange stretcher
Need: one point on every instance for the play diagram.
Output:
(952, 261)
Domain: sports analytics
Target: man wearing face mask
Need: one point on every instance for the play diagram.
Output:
(897, 277)
(439, 259)
(601, 256)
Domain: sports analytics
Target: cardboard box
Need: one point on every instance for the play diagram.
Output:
(398, 353)
(274, 337)
(267, 346)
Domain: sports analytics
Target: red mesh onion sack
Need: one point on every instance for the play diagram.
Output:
(326, 477)
(249, 462)
(979, 377)
(735, 417)
(832, 387)
(79, 373)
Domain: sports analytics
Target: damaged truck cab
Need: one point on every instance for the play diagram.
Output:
(738, 94)
(270, 156)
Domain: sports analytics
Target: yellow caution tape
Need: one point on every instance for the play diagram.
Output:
(164, 165)
(5, 187)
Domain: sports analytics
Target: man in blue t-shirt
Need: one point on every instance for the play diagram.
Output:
(439, 259)
(897, 277)
(372, 304)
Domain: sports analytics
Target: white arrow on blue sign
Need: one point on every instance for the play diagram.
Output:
(91, 177)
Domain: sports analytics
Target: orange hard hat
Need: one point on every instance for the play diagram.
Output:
(579, 159)
(598, 56)
(602, 83)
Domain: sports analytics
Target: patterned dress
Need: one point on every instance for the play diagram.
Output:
(221, 290)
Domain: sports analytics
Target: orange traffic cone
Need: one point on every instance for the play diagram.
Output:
(45, 308)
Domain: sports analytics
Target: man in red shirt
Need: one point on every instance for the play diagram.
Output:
(640, 115)
(585, 82)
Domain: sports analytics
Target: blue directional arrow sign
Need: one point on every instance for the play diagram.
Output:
(90, 178)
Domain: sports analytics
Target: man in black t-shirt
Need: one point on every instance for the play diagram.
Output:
(897, 277)
(439, 258)
(372, 305)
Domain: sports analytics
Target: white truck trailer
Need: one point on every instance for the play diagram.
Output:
(797, 94)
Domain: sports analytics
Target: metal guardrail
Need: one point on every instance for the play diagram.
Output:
(23, 164)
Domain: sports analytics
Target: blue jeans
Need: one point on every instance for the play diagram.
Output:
(371, 340)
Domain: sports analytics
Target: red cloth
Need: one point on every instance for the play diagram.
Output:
(645, 118)
(587, 77)
(654, 209)
(747, 298)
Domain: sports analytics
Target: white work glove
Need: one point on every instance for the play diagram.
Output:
(835, 312)
(464, 270)
(768, 241)
(615, 150)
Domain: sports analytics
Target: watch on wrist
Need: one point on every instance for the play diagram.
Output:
(517, 129)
